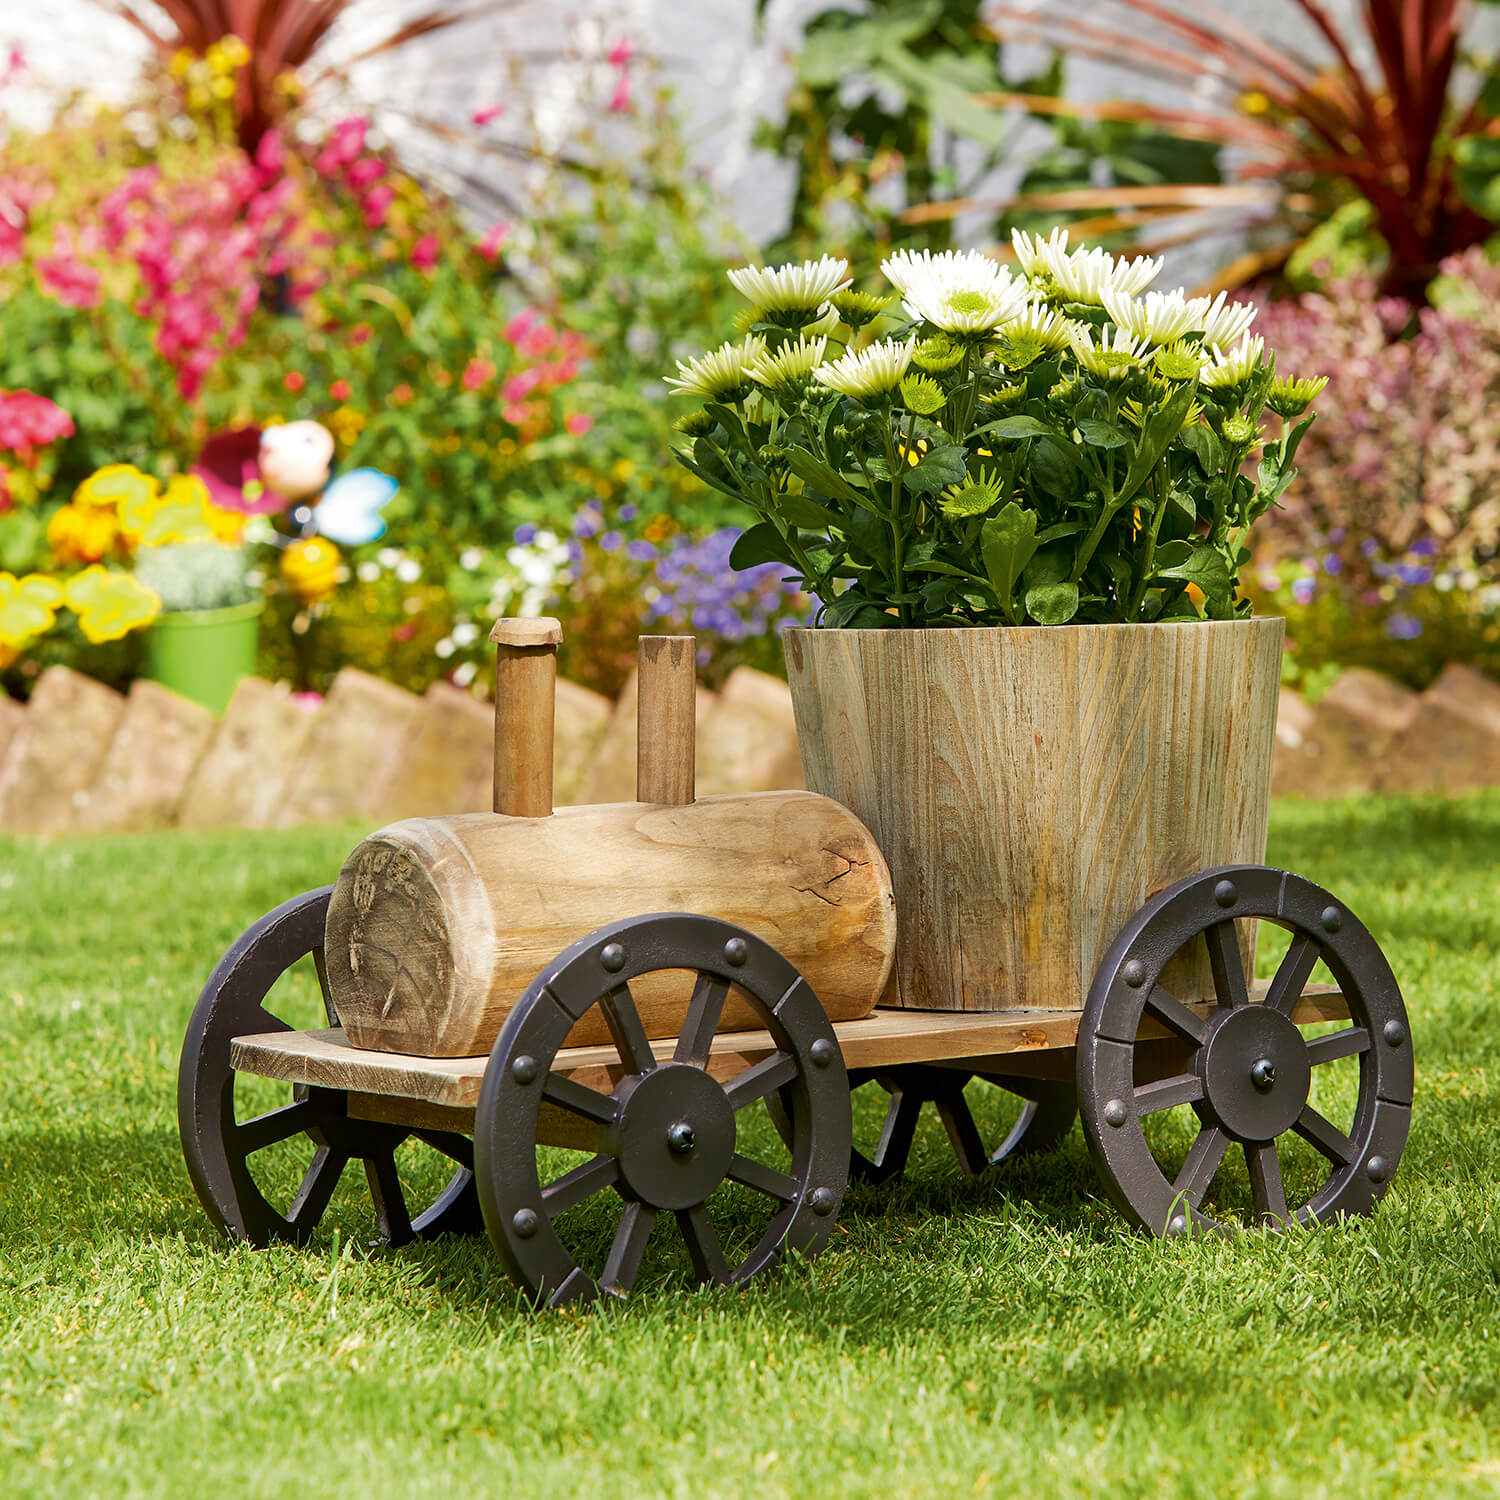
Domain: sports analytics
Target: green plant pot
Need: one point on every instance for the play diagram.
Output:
(202, 654)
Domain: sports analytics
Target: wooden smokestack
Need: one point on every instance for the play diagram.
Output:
(665, 722)
(525, 694)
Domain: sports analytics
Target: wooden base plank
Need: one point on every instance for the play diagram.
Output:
(996, 1041)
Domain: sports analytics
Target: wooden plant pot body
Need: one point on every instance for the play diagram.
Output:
(437, 925)
(1030, 788)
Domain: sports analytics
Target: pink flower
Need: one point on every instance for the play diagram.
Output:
(519, 325)
(340, 390)
(367, 170)
(377, 204)
(29, 421)
(424, 254)
(16, 67)
(71, 281)
(478, 372)
(269, 157)
(344, 146)
(619, 101)
(493, 238)
(621, 53)
(488, 113)
(579, 423)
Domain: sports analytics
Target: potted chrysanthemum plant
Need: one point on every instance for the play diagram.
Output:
(1024, 508)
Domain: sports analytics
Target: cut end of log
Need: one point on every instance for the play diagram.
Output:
(544, 631)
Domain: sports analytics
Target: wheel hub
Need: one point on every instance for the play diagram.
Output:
(675, 1137)
(1256, 1073)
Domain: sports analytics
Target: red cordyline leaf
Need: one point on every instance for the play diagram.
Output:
(1389, 135)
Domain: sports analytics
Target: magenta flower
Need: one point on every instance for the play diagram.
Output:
(490, 112)
(424, 254)
(368, 170)
(579, 423)
(377, 205)
(477, 373)
(29, 421)
(493, 238)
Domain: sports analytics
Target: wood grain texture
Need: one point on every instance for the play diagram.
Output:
(1031, 787)
(437, 925)
(666, 691)
(992, 1041)
(525, 692)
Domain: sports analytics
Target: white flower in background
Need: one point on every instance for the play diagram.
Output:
(408, 570)
(720, 372)
(465, 634)
(790, 364)
(387, 557)
(1224, 325)
(870, 372)
(464, 673)
(1234, 366)
(1084, 275)
(960, 303)
(368, 572)
(470, 558)
(1158, 317)
(907, 270)
(1112, 356)
(791, 288)
(445, 648)
(1031, 254)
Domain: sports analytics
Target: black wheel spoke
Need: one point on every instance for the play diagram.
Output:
(1265, 1182)
(317, 1187)
(1291, 976)
(1326, 1136)
(1166, 1093)
(1176, 1016)
(627, 1249)
(582, 1182)
(320, 963)
(703, 1244)
(762, 1178)
(390, 1201)
(758, 1081)
(1229, 971)
(455, 1147)
(963, 1133)
(1347, 1043)
(274, 1126)
(898, 1132)
(578, 1100)
(702, 1020)
(624, 1022)
(1204, 1158)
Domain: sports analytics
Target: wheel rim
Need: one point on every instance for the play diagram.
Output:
(1248, 1068)
(218, 1148)
(667, 1134)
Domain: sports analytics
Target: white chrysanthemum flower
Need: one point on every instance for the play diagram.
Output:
(956, 306)
(791, 288)
(1113, 355)
(869, 372)
(789, 364)
(725, 369)
(1158, 317)
(1031, 254)
(1084, 275)
(825, 322)
(1225, 325)
(908, 269)
(1233, 366)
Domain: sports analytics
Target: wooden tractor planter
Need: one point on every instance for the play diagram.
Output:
(665, 1004)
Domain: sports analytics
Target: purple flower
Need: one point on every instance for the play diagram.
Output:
(640, 551)
(1333, 564)
(1303, 590)
(586, 523)
(611, 541)
(525, 532)
(1412, 575)
(628, 512)
(1369, 547)
(1424, 547)
(1403, 627)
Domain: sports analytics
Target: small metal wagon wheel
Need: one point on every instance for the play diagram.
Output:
(1249, 1068)
(219, 1148)
(1047, 1114)
(667, 1134)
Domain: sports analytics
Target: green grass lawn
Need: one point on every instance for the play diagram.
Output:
(1008, 1336)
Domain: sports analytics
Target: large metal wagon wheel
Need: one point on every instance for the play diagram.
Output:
(1245, 1071)
(219, 1147)
(670, 1132)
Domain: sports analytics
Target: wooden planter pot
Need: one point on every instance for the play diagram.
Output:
(1030, 788)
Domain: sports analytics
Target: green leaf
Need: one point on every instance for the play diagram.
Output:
(1205, 568)
(940, 467)
(1052, 603)
(1008, 542)
(1161, 428)
(1173, 554)
(763, 543)
(1062, 529)
(811, 469)
(1101, 434)
(1205, 447)
(1012, 427)
(802, 510)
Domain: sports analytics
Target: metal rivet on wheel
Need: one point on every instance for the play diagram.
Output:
(1134, 973)
(1394, 1033)
(523, 1069)
(821, 1052)
(1115, 1112)
(1332, 919)
(1177, 1224)
(1226, 893)
(524, 1223)
(735, 952)
(612, 957)
(821, 1202)
(1376, 1169)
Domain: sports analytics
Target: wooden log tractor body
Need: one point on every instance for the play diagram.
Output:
(437, 925)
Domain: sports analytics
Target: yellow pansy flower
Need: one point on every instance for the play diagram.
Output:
(110, 605)
(82, 533)
(28, 608)
(116, 485)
